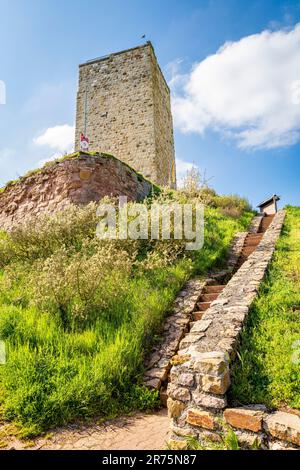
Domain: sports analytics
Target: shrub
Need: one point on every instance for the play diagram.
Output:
(80, 284)
(232, 206)
(79, 314)
(39, 237)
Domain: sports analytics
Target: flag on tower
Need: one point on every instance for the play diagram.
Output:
(84, 142)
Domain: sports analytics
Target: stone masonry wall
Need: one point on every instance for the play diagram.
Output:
(123, 106)
(200, 375)
(255, 223)
(74, 180)
(163, 127)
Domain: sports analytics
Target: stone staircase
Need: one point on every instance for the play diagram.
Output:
(251, 242)
(216, 284)
(198, 383)
(211, 291)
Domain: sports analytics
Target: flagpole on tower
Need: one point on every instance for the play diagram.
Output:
(84, 140)
(85, 109)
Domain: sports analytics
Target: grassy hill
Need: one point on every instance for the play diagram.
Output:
(78, 314)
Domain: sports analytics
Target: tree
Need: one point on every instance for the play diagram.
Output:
(192, 181)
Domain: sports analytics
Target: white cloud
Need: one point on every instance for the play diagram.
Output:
(245, 91)
(182, 166)
(58, 138)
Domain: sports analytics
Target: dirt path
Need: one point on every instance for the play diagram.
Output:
(138, 432)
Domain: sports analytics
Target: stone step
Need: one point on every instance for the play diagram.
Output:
(209, 297)
(213, 289)
(251, 243)
(248, 250)
(198, 315)
(202, 306)
(265, 223)
(253, 240)
(254, 235)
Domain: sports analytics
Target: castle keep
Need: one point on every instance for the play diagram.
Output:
(123, 107)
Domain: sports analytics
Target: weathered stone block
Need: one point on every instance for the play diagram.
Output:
(175, 407)
(178, 393)
(281, 445)
(152, 383)
(158, 373)
(175, 444)
(248, 440)
(153, 359)
(209, 436)
(183, 432)
(215, 384)
(180, 359)
(203, 419)
(244, 418)
(190, 339)
(201, 326)
(186, 379)
(284, 426)
(209, 401)
(212, 363)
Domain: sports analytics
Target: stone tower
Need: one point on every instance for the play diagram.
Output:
(123, 107)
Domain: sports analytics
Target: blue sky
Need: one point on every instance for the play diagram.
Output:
(229, 114)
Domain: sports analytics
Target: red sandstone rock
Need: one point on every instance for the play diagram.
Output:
(244, 419)
(74, 180)
(203, 419)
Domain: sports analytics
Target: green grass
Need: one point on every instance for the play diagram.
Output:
(78, 315)
(268, 368)
(228, 440)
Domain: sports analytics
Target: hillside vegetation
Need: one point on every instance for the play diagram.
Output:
(78, 314)
(268, 368)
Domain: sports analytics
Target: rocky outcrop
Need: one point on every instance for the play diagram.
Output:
(77, 179)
